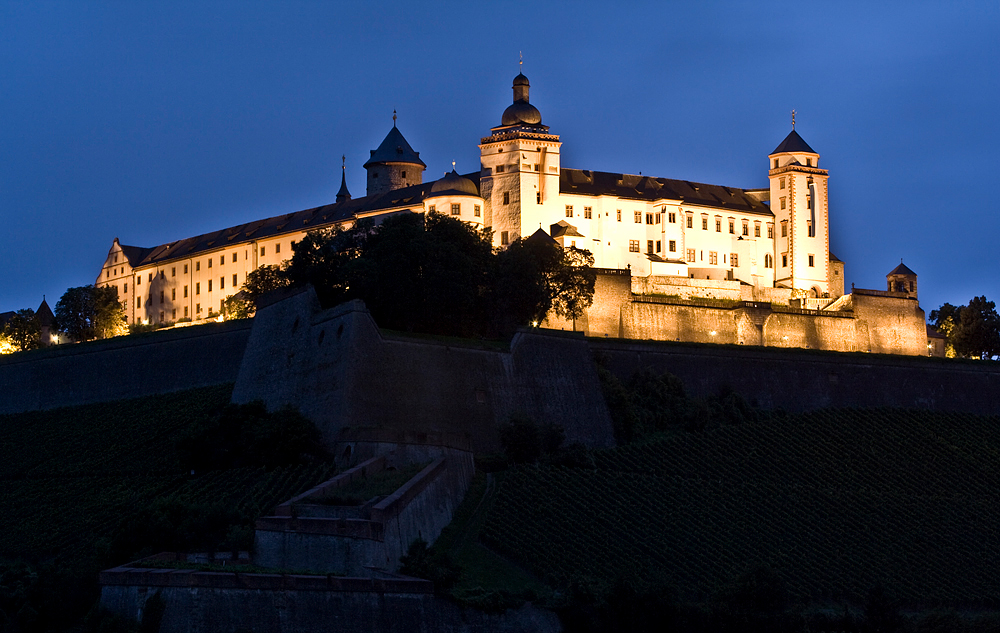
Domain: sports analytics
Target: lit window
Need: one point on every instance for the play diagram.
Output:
(734, 260)
(432, 209)
(638, 217)
(477, 210)
(690, 254)
(713, 258)
(569, 210)
(673, 246)
(456, 209)
(633, 246)
(588, 213)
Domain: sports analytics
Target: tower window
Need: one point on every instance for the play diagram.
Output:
(812, 259)
(402, 174)
(809, 162)
(672, 218)
(690, 223)
(456, 209)
(781, 183)
(500, 168)
(477, 210)
(784, 229)
(775, 163)
(506, 197)
(673, 246)
(784, 260)
(538, 197)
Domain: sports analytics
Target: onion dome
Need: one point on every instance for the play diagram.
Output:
(453, 184)
(521, 112)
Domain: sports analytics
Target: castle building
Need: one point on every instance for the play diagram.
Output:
(771, 243)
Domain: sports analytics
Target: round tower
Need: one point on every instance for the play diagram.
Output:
(394, 164)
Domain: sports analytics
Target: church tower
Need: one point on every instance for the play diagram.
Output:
(520, 170)
(394, 164)
(801, 217)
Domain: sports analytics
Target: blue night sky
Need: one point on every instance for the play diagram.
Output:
(158, 121)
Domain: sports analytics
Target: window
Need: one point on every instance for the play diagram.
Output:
(197, 266)
(659, 247)
(197, 307)
(672, 244)
(781, 183)
(672, 218)
(477, 210)
(503, 237)
(138, 302)
(784, 228)
(210, 259)
(506, 197)
(782, 202)
(185, 292)
(588, 213)
(402, 174)
(499, 169)
(162, 276)
(161, 297)
(536, 166)
(210, 285)
(432, 208)
(173, 271)
(173, 294)
(569, 210)
(173, 313)
(633, 246)
(690, 254)
(658, 219)
(116, 259)
(185, 269)
(456, 209)
(756, 229)
(197, 288)
(812, 261)
(746, 228)
(374, 174)
(619, 215)
(222, 258)
(538, 197)
(138, 280)
(638, 217)
(124, 288)
(277, 249)
(713, 258)
(811, 228)
(770, 231)
(234, 280)
(809, 162)
(262, 248)
(734, 260)
(690, 223)
(775, 163)
(768, 261)
(234, 258)
(732, 227)
(161, 316)
(649, 218)
(185, 312)
(718, 225)
(649, 246)
(784, 260)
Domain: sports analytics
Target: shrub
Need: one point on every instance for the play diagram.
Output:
(421, 561)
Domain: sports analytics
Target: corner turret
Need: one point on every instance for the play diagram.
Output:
(394, 164)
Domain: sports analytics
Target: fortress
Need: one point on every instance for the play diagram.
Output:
(677, 260)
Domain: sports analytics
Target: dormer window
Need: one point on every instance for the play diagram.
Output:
(809, 162)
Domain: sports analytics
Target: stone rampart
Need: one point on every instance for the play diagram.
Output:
(223, 601)
(122, 367)
(798, 380)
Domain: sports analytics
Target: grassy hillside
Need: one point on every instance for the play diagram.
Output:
(94, 486)
(833, 503)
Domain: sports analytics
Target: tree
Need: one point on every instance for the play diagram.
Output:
(88, 312)
(264, 280)
(22, 331)
(973, 331)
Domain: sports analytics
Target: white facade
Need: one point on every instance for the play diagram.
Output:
(776, 236)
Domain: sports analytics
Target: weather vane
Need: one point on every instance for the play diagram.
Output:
(520, 60)
(394, 117)
(453, 165)
(793, 119)
(343, 162)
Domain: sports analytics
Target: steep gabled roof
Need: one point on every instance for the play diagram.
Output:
(600, 183)
(564, 229)
(394, 149)
(44, 314)
(793, 144)
(902, 270)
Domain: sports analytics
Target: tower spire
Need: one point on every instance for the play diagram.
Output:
(793, 119)
(343, 195)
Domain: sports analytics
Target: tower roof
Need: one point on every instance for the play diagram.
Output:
(793, 144)
(394, 149)
(902, 270)
(521, 111)
(44, 314)
(454, 183)
(343, 194)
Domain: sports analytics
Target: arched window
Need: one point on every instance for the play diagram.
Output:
(768, 261)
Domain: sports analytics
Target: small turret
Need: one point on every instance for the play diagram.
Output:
(343, 195)
(394, 164)
(902, 279)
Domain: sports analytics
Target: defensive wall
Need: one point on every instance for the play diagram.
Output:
(123, 367)
(226, 601)
(308, 533)
(344, 373)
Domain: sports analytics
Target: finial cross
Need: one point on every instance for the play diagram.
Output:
(343, 162)
(793, 119)
(453, 165)
(520, 60)
(394, 117)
